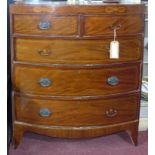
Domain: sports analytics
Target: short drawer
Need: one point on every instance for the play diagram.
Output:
(59, 51)
(104, 25)
(76, 82)
(75, 112)
(45, 25)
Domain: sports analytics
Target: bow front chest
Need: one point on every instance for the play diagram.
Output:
(64, 82)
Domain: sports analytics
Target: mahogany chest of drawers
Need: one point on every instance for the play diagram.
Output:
(64, 82)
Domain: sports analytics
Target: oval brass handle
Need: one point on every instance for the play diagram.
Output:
(44, 52)
(117, 27)
(113, 80)
(111, 113)
(44, 82)
(44, 25)
(44, 112)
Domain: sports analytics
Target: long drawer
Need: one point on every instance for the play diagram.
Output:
(104, 25)
(77, 113)
(61, 51)
(76, 81)
(45, 25)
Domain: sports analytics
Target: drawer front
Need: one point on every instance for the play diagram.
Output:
(86, 81)
(103, 25)
(75, 51)
(77, 113)
(45, 24)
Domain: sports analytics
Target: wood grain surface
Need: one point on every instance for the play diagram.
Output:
(76, 132)
(77, 113)
(76, 81)
(104, 25)
(59, 51)
(78, 9)
(59, 25)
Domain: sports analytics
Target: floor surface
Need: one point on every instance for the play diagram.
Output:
(116, 144)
